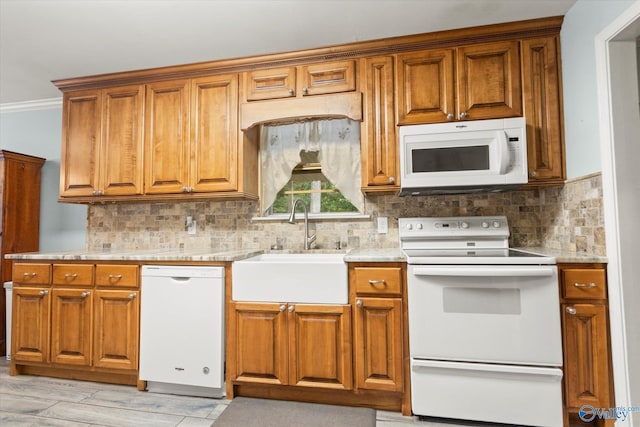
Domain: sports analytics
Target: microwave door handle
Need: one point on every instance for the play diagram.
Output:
(503, 152)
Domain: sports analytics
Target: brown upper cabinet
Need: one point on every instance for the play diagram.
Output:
(191, 135)
(379, 144)
(102, 142)
(467, 83)
(304, 80)
(188, 131)
(542, 99)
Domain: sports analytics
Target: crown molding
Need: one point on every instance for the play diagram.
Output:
(38, 104)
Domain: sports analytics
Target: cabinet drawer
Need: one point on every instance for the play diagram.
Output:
(119, 276)
(589, 283)
(73, 274)
(378, 280)
(33, 274)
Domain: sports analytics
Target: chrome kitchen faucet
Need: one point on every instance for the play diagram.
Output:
(308, 240)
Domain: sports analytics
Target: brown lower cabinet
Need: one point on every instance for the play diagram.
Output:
(76, 320)
(292, 344)
(354, 354)
(588, 376)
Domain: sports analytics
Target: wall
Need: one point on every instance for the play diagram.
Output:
(62, 226)
(569, 218)
(581, 24)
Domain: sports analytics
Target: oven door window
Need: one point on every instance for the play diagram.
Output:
(450, 159)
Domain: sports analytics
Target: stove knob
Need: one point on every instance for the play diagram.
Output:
(464, 224)
(496, 224)
(485, 224)
(409, 227)
(419, 226)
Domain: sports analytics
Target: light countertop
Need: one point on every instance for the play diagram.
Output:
(211, 255)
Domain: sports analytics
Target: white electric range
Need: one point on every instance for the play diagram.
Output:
(484, 323)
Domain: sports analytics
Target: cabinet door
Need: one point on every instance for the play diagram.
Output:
(379, 145)
(488, 78)
(214, 133)
(30, 325)
(116, 326)
(71, 326)
(542, 108)
(586, 364)
(166, 160)
(81, 124)
(270, 84)
(320, 346)
(328, 77)
(425, 87)
(121, 170)
(378, 343)
(260, 334)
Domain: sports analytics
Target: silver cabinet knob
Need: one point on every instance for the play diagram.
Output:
(392, 180)
(291, 308)
(305, 91)
(291, 92)
(132, 295)
(450, 116)
(359, 303)
(463, 115)
(533, 174)
(85, 294)
(283, 307)
(43, 293)
(571, 310)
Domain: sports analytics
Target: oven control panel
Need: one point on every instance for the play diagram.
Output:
(453, 227)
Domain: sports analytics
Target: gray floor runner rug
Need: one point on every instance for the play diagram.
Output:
(250, 412)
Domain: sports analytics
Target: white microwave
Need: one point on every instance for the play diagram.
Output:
(463, 157)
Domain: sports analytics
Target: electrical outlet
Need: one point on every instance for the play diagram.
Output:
(191, 225)
(383, 225)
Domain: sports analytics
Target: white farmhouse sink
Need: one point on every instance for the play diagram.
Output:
(297, 278)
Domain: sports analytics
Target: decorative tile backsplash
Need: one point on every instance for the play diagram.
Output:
(568, 218)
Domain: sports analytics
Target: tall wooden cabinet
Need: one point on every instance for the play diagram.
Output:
(19, 217)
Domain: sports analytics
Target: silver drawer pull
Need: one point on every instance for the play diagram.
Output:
(132, 295)
(571, 310)
(115, 276)
(70, 276)
(85, 294)
(585, 285)
(378, 282)
(43, 293)
(29, 274)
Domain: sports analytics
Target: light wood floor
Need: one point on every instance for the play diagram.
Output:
(38, 401)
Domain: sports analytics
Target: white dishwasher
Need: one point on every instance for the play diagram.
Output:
(182, 330)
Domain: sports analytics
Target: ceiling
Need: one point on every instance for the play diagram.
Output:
(44, 40)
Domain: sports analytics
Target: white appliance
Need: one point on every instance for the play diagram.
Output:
(463, 157)
(484, 323)
(182, 330)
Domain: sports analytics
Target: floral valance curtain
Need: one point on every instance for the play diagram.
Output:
(337, 142)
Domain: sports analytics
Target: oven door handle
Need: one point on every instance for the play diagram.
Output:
(461, 271)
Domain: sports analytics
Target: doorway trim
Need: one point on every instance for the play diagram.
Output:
(608, 64)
